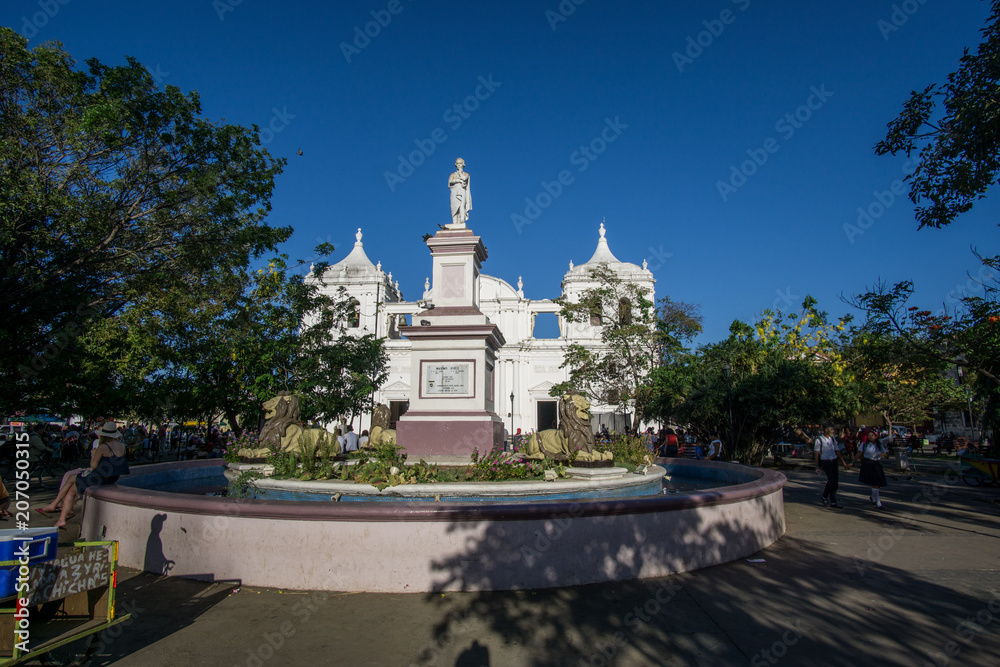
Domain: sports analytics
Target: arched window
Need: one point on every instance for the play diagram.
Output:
(624, 311)
(595, 316)
(354, 314)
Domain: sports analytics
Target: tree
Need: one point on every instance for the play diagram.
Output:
(339, 376)
(670, 380)
(786, 370)
(112, 188)
(958, 163)
(635, 337)
(958, 144)
(900, 387)
(969, 339)
(224, 344)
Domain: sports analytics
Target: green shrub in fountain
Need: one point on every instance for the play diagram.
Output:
(497, 466)
(386, 467)
(242, 486)
(314, 461)
(629, 451)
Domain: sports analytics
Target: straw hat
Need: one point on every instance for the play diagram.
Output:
(110, 430)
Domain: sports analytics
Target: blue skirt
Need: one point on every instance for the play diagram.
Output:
(872, 473)
(93, 479)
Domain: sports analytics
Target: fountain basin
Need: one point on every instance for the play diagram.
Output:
(432, 546)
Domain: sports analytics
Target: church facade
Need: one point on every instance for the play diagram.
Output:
(526, 367)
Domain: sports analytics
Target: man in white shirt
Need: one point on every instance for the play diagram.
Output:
(828, 451)
(350, 440)
(714, 448)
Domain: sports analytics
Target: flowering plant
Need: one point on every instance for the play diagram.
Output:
(246, 440)
(498, 466)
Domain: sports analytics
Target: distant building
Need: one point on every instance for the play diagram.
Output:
(527, 367)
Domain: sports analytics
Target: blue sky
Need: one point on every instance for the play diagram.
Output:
(803, 90)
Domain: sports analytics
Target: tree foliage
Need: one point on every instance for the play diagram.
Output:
(636, 337)
(111, 189)
(955, 128)
(969, 339)
(225, 345)
(900, 387)
(786, 370)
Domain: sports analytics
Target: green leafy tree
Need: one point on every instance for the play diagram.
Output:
(900, 387)
(227, 350)
(955, 128)
(969, 339)
(111, 188)
(339, 376)
(670, 380)
(785, 371)
(635, 335)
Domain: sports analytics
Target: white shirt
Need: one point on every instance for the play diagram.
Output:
(872, 451)
(827, 448)
(351, 441)
(712, 449)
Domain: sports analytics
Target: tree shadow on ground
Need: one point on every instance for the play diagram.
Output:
(922, 503)
(178, 604)
(807, 604)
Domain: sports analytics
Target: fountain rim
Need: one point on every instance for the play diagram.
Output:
(767, 482)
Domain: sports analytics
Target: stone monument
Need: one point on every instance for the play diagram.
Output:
(454, 347)
(461, 196)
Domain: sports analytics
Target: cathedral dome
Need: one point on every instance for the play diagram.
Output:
(604, 257)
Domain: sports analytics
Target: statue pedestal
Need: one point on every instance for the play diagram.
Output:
(453, 354)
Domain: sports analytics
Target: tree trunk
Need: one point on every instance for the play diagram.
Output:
(234, 425)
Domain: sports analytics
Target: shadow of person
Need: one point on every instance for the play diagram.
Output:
(476, 655)
(155, 561)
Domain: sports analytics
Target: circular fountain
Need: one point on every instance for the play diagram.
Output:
(496, 536)
(435, 537)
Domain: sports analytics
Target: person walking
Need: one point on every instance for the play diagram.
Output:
(827, 452)
(872, 473)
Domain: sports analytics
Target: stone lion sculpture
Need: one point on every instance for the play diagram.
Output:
(380, 433)
(573, 434)
(283, 430)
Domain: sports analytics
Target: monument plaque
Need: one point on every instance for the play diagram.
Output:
(452, 378)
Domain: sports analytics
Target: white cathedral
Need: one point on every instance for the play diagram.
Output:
(526, 367)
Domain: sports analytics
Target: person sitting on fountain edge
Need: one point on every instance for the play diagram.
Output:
(714, 447)
(350, 439)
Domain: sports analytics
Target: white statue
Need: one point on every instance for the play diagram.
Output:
(461, 195)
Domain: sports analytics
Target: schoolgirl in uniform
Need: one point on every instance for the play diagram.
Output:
(872, 474)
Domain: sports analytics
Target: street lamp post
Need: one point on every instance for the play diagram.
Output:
(968, 396)
(512, 417)
(727, 370)
(968, 400)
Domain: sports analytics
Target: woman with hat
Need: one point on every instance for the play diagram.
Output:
(107, 464)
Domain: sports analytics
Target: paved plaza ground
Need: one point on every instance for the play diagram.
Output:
(916, 583)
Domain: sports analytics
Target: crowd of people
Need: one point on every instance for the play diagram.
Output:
(50, 443)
